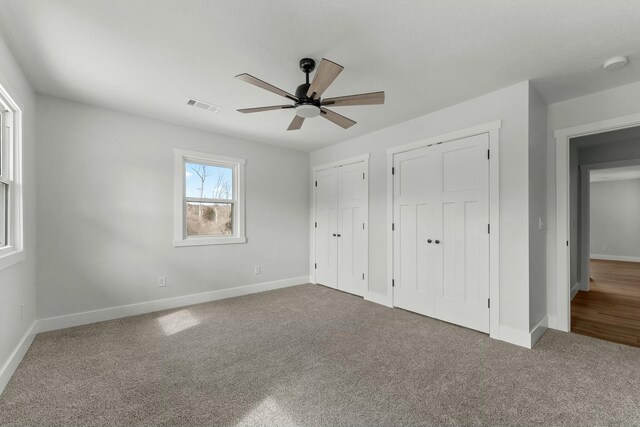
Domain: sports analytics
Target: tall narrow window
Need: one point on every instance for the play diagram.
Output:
(209, 199)
(10, 182)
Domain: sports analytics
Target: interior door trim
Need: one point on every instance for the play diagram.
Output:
(493, 131)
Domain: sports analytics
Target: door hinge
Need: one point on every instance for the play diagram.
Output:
(362, 175)
(362, 276)
(567, 243)
(489, 228)
(393, 226)
(393, 171)
(488, 154)
(393, 283)
(316, 183)
(363, 225)
(316, 225)
(489, 303)
(316, 266)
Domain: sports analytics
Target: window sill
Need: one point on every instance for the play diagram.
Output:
(205, 241)
(11, 257)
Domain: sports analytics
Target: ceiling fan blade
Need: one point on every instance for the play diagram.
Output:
(296, 123)
(337, 118)
(259, 109)
(325, 75)
(372, 98)
(264, 85)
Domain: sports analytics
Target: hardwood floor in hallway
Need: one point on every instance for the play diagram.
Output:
(611, 309)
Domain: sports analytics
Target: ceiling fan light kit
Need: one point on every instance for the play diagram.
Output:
(307, 100)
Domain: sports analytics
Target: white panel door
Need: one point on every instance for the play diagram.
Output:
(416, 267)
(326, 227)
(463, 218)
(351, 235)
(441, 241)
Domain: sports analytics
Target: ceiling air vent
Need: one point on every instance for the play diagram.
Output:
(203, 105)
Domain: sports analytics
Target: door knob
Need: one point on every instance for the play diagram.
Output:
(338, 235)
(437, 242)
(429, 241)
(334, 234)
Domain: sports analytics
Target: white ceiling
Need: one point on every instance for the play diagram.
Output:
(148, 56)
(615, 174)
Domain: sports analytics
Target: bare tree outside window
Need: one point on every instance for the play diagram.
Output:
(209, 204)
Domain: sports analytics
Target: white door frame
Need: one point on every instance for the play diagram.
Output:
(563, 271)
(493, 129)
(312, 237)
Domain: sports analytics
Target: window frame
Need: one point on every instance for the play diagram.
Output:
(11, 174)
(181, 157)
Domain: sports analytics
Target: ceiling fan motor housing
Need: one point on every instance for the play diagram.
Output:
(306, 107)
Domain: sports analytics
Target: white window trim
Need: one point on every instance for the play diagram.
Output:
(12, 130)
(180, 238)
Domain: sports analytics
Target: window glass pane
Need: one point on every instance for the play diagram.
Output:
(4, 226)
(209, 219)
(208, 182)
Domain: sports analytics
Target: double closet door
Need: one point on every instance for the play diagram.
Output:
(441, 231)
(341, 236)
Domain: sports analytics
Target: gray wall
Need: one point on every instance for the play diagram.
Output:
(537, 208)
(610, 152)
(106, 197)
(17, 282)
(615, 218)
(509, 105)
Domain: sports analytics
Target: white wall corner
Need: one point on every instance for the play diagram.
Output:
(574, 290)
(515, 336)
(87, 317)
(11, 364)
(539, 330)
(552, 322)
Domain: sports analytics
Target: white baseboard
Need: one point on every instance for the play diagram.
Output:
(515, 336)
(10, 366)
(522, 338)
(539, 330)
(615, 257)
(378, 298)
(86, 317)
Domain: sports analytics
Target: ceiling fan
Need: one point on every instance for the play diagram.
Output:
(307, 100)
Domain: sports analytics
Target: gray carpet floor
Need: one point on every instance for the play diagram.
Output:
(309, 355)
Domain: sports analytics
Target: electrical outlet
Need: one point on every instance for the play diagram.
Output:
(257, 269)
(21, 311)
(162, 281)
(540, 224)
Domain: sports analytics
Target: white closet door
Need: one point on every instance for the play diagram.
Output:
(415, 263)
(441, 241)
(352, 211)
(463, 208)
(327, 225)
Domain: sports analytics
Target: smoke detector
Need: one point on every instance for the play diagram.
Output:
(615, 63)
(203, 105)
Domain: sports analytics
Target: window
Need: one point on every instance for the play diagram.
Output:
(10, 182)
(209, 199)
